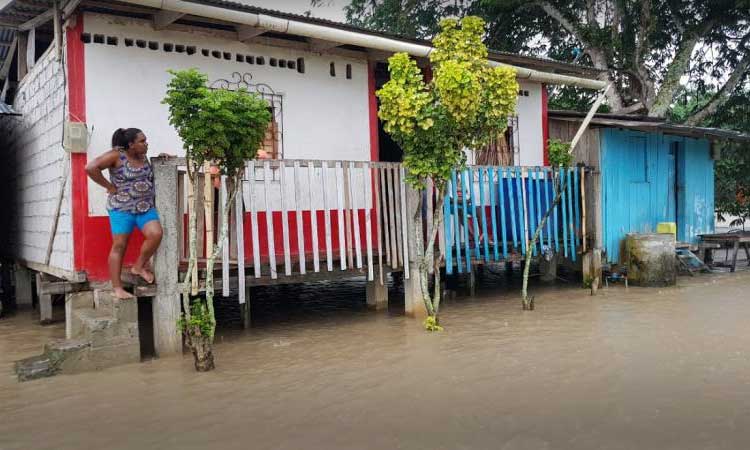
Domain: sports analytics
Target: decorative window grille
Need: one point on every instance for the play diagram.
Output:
(504, 149)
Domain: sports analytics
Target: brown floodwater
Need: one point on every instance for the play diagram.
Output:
(638, 369)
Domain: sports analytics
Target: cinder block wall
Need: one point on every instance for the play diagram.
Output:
(33, 163)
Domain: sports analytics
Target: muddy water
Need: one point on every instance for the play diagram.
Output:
(642, 369)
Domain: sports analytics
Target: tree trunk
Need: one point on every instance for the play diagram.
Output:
(203, 353)
(426, 257)
(528, 303)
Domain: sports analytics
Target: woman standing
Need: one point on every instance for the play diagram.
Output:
(130, 202)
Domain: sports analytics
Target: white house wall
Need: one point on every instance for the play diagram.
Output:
(36, 162)
(324, 117)
(529, 111)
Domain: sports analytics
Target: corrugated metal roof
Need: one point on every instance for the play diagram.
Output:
(653, 124)
(17, 12)
(7, 110)
(509, 58)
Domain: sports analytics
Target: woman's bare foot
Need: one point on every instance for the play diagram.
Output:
(122, 293)
(144, 273)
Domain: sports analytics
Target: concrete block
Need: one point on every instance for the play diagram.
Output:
(74, 302)
(125, 310)
(60, 356)
(113, 355)
(377, 295)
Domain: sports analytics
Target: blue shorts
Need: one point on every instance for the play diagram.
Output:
(123, 222)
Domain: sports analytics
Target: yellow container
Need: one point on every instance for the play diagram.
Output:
(667, 227)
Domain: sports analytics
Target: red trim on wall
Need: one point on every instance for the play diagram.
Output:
(77, 113)
(92, 238)
(545, 125)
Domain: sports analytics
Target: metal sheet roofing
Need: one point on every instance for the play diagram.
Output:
(653, 124)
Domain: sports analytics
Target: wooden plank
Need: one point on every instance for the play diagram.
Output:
(539, 212)
(456, 226)
(240, 225)
(377, 186)
(441, 230)
(399, 216)
(300, 222)
(313, 216)
(447, 226)
(583, 210)
(564, 211)
(327, 218)
(185, 248)
(366, 175)
(404, 221)
(392, 216)
(521, 198)
(576, 208)
(556, 212)
(475, 214)
(428, 197)
(232, 225)
(340, 212)
(530, 201)
(355, 216)
(208, 209)
(483, 208)
(493, 211)
(267, 175)
(464, 193)
(383, 210)
(254, 219)
(284, 220)
(501, 201)
(200, 216)
(348, 216)
(547, 185)
(571, 222)
(223, 198)
(510, 181)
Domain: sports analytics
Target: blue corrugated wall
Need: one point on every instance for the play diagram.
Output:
(649, 178)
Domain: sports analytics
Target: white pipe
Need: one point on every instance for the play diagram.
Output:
(276, 24)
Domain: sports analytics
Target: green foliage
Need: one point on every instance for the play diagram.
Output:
(200, 322)
(465, 104)
(559, 153)
(635, 40)
(222, 126)
(430, 324)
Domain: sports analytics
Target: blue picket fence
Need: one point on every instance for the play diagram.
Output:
(491, 211)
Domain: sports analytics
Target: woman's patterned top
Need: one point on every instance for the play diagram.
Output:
(135, 187)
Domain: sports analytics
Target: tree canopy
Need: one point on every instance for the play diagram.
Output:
(647, 48)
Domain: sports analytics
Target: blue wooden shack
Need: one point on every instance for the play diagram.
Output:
(646, 171)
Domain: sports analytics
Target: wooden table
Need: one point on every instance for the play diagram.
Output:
(735, 240)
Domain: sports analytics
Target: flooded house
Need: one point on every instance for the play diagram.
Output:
(326, 198)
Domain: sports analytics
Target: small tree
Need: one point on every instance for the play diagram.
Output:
(466, 103)
(225, 128)
(559, 156)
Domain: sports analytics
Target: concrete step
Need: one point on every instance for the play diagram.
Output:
(123, 310)
(75, 302)
(102, 330)
(61, 355)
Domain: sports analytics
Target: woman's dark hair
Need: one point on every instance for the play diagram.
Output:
(123, 137)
